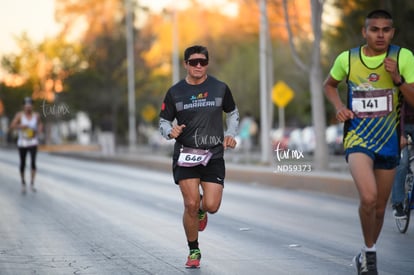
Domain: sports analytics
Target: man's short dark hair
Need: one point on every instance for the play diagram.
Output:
(195, 49)
(379, 14)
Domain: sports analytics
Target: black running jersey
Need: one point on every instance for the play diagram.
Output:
(200, 108)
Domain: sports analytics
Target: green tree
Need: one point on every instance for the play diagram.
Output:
(39, 71)
(102, 85)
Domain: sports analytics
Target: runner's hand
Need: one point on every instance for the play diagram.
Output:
(391, 67)
(229, 141)
(343, 114)
(176, 131)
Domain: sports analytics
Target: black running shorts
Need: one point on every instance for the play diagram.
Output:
(215, 171)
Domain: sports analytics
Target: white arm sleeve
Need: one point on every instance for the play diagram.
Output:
(232, 121)
(165, 128)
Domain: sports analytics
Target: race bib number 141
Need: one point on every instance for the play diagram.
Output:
(372, 103)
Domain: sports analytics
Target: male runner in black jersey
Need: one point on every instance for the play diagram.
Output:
(197, 103)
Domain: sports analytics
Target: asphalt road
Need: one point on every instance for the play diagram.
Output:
(90, 217)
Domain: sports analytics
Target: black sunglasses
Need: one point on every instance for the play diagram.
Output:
(194, 62)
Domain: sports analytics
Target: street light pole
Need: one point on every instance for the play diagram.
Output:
(264, 85)
(175, 55)
(131, 76)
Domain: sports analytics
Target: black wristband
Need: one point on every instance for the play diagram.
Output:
(400, 83)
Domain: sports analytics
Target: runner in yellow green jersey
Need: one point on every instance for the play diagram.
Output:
(379, 76)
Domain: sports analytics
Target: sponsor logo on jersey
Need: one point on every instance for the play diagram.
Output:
(199, 101)
(373, 77)
(199, 96)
